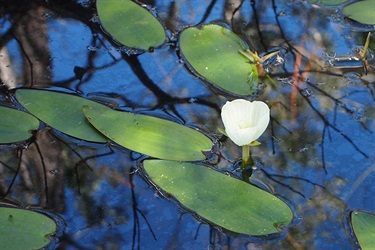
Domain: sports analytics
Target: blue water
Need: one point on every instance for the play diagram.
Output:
(317, 153)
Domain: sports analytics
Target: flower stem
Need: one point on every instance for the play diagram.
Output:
(247, 160)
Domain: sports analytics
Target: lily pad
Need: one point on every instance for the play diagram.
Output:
(16, 125)
(213, 52)
(364, 229)
(149, 135)
(225, 201)
(61, 111)
(361, 11)
(330, 2)
(24, 229)
(130, 24)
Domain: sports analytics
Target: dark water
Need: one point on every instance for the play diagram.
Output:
(317, 153)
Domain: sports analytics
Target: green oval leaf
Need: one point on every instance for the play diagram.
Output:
(228, 202)
(149, 135)
(24, 229)
(130, 24)
(364, 229)
(213, 52)
(16, 125)
(362, 11)
(61, 111)
(329, 2)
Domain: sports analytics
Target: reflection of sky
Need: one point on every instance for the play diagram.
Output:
(67, 53)
(68, 40)
(12, 47)
(16, 59)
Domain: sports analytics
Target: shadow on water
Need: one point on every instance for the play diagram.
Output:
(317, 153)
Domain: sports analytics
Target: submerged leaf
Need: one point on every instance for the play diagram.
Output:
(16, 125)
(130, 24)
(61, 111)
(24, 229)
(149, 135)
(228, 202)
(364, 229)
(213, 52)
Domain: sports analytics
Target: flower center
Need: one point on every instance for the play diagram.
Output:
(246, 126)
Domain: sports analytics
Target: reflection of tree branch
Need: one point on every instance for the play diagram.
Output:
(31, 65)
(353, 111)
(256, 19)
(64, 9)
(270, 176)
(44, 170)
(136, 210)
(88, 70)
(326, 122)
(82, 160)
(323, 149)
(208, 11)
(335, 100)
(296, 178)
(137, 68)
(9, 34)
(282, 34)
(146, 80)
(215, 236)
(15, 175)
(229, 6)
(162, 97)
(273, 120)
(198, 228)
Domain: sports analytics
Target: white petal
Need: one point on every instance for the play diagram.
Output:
(236, 112)
(245, 121)
(242, 137)
(261, 116)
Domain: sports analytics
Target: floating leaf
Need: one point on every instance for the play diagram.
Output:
(362, 11)
(16, 125)
(24, 229)
(61, 111)
(149, 135)
(219, 198)
(130, 24)
(364, 229)
(213, 52)
(329, 2)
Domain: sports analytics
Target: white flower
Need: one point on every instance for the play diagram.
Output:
(245, 121)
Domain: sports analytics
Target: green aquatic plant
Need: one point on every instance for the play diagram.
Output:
(16, 125)
(212, 51)
(61, 111)
(329, 2)
(221, 199)
(149, 135)
(361, 11)
(363, 225)
(223, 59)
(130, 24)
(24, 229)
(97, 123)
